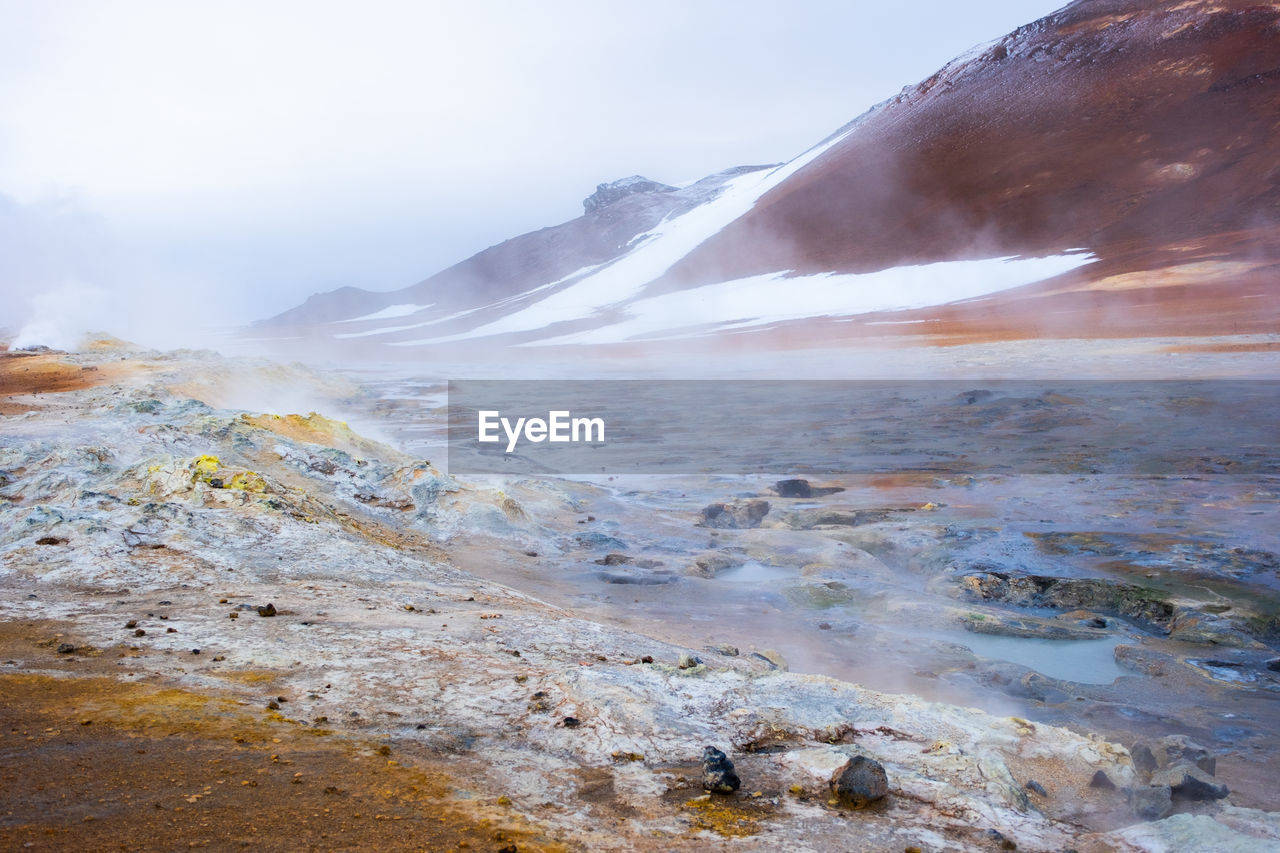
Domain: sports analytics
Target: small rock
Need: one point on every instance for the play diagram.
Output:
(171, 630)
(1274, 665)
(66, 648)
(1103, 781)
(1004, 841)
(571, 722)
(1151, 803)
(688, 661)
(1149, 756)
(726, 650)
(132, 623)
(273, 705)
(737, 515)
(139, 633)
(862, 782)
(1036, 787)
(647, 659)
(793, 489)
(268, 610)
(718, 775)
(1189, 783)
(771, 657)
(195, 651)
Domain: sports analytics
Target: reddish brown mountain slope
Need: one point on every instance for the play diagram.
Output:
(1145, 132)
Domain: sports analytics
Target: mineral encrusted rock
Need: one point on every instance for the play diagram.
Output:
(718, 775)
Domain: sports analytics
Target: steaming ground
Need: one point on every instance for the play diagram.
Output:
(493, 635)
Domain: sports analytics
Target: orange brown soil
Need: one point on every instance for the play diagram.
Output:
(43, 373)
(91, 762)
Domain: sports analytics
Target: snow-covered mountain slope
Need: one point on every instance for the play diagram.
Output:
(1111, 169)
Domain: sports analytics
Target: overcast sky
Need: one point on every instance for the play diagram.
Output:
(263, 151)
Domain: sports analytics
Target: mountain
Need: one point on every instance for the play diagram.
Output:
(1109, 170)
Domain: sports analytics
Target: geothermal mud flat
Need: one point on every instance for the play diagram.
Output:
(258, 624)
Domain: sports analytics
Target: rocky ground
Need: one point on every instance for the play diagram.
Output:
(205, 604)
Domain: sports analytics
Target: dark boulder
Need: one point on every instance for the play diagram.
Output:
(718, 775)
(861, 782)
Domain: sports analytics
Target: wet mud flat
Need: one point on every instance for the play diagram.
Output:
(1091, 554)
(548, 658)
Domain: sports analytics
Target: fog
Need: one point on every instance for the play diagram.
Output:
(169, 169)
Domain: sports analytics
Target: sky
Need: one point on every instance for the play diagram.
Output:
(166, 166)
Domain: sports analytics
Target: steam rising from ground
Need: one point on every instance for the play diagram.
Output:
(66, 277)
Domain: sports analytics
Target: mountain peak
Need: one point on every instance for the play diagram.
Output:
(607, 194)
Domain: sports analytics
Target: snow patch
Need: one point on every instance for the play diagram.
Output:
(776, 297)
(391, 312)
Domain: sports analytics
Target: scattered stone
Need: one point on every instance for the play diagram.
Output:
(1103, 781)
(613, 559)
(51, 540)
(1189, 783)
(195, 651)
(132, 623)
(735, 516)
(139, 633)
(1095, 594)
(647, 659)
(1149, 756)
(1151, 803)
(718, 775)
(771, 657)
(171, 630)
(273, 705)
(1004, 841)
(688, 661)
(861, 783)
(268, 610)
(66, 648)
(571, 722)
(1036, 787)
(235, 615)
(710, 565)
(793, 489)
(798, 488)
(726, 650)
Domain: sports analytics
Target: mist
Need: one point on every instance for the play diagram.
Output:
(171, 171)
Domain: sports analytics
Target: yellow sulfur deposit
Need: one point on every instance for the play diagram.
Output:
(206, 466)
(248, 481)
